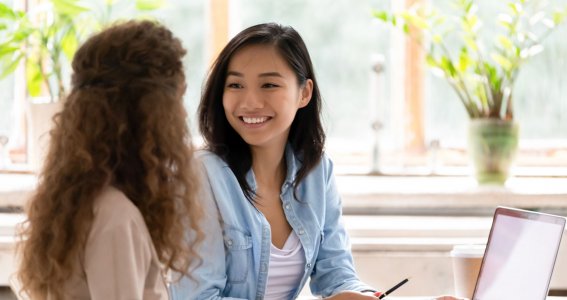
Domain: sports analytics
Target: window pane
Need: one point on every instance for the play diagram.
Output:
(187, 19)
(539, 95)
(6, 98)
(342, 38)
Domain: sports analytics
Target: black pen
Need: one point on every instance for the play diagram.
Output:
(395, 287)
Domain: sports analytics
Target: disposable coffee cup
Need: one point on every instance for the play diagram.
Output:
(466, 266)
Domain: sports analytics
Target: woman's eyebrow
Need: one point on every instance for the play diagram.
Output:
(270, 74)
(266, 74)
(234, 73)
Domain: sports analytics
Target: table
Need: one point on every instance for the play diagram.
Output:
(415, 298)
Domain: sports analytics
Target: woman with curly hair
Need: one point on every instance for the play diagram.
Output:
(118, 187)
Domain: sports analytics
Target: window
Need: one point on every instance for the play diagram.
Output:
(344, 42)
(401, 119)
(422, 123)
(540, 98)
(187, 19)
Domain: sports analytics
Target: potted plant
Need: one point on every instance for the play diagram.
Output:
(45, 38)
(481, 70)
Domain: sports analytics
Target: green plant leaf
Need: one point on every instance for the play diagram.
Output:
(515, 7)
(381, 15)
(34, 78)
(464, 60)
(11, 66)
(68, 7)
(6, 49)
(437, 39)
(430, 60)
(7, 12)
(147, 5)
(506, 43)
(504, 62)
(471, 43)
(558, 17)
(471, 24)
(506, 21)
(69, 44)
(415, 20)
(439, 20)
(448, 66)
(22, 34)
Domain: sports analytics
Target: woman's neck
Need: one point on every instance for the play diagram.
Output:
(269, 166)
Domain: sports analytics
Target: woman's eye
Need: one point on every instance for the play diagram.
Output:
(269, 85)
(234, 85)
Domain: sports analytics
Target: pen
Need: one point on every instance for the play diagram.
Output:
(395, 287)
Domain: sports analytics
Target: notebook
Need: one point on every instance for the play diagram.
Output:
(520, 255)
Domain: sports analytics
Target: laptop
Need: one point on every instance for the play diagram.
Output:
(520, 255)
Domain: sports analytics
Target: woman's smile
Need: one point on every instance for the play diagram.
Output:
(262, 96)
(255, 120)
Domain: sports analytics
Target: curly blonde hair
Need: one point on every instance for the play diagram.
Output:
(123, 124)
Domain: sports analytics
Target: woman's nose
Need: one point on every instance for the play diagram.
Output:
(252, 100)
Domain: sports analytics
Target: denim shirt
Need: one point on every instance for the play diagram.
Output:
(236, 251)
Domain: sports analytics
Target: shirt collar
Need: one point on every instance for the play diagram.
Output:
(292, 164)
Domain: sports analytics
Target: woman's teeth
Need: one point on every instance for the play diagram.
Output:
(254, 120)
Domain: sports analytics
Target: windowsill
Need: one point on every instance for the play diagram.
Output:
(402, 195)
(448, 195)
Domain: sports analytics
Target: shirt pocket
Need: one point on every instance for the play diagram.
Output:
(239, 254)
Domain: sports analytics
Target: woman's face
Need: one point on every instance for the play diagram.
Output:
(261, 96)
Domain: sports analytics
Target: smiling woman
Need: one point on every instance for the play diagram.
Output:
(270, 182)
(261, 99)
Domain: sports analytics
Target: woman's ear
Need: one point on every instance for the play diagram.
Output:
(306, 93)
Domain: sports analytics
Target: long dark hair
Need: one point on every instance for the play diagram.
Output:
(306, 135)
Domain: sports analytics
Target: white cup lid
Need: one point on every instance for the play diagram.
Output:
(470, 250)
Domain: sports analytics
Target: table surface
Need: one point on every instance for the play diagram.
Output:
(421, 298)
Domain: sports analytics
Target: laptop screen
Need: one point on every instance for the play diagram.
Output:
(520, 255)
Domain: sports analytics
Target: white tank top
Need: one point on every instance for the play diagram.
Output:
(286, 269)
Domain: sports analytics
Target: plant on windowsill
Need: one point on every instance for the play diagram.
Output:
(45, 39)
(482, 77)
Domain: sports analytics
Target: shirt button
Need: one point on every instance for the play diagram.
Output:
(301, 232)
(229, 242)
(263, 268)
(287, 206)
(308, 266)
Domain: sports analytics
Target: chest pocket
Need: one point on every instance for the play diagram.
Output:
(238, 245)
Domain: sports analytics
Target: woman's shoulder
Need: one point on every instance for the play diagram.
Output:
(208, 157)
(324, 167)
(113, 207)
(326, 161)
(210, 161)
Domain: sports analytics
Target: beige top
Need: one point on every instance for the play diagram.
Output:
(120, 261)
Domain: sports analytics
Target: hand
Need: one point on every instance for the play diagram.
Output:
(352, 295)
